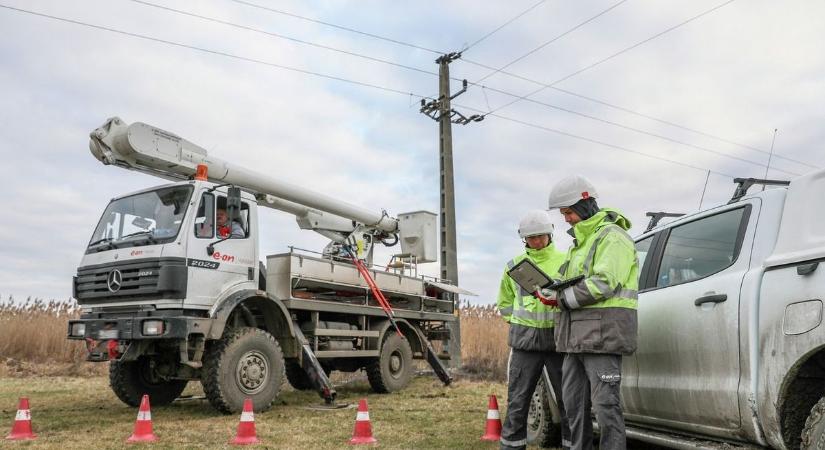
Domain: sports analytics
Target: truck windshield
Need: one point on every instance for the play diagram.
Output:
(147, 218)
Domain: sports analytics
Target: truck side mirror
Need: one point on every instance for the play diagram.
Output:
(233, 203)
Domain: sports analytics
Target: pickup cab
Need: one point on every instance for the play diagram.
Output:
(731, 343)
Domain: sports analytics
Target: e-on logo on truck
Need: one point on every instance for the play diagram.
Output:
(218, 256)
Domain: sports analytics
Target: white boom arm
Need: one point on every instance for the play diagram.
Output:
(147, 149)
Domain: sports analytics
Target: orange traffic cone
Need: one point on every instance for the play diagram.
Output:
(22, 428)
(493, 431)
(362, 434)
(143, 424)
(246, 427)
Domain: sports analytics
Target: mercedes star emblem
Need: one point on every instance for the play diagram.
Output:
(115, 280)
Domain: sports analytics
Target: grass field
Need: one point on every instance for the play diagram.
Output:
(82, 413)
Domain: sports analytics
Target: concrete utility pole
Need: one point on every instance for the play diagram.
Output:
(441, 111)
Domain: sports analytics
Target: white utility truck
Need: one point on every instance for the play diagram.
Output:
(731, 349)
(172, 288)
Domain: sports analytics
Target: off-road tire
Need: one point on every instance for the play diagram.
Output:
(297, 376)
(543, 429)
(244, 363)
(813, 435)
(393, 369)
(129, 381)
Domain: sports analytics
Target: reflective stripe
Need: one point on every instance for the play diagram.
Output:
(566, 444)
(519, 443)
(529, 315)
(23, 414)
(511, 263)
(628, 293)
(144, 415)
(570, 298)
(591, 252)
(601, 286)
(362, 416)
(506, 311)
(247, 416)
(521, 294)
(492, 414)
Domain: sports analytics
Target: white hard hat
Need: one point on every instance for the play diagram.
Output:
(535, 223)
(570, 190)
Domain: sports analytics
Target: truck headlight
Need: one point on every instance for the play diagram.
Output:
(152, 327)
(78, 329)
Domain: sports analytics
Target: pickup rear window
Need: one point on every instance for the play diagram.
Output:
(700, 248)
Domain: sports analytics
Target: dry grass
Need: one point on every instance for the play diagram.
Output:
(484, 348)
(82, 413)
(33, 341)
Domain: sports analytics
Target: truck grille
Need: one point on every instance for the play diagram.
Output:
(155, 278)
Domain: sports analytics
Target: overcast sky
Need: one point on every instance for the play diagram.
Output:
(705, 96)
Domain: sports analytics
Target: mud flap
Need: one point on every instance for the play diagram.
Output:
(312, 367)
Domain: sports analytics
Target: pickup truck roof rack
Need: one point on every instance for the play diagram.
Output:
(655, 217)
(743, 184)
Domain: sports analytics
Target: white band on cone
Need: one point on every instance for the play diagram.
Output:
(144, 415)
(247, 416)
(492, 414)
(23, 414)
(362, 416)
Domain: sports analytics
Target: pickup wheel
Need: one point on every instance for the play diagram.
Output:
(131, 379)
(393, 369)
(813, 435)
(543, 419)
(245, 363)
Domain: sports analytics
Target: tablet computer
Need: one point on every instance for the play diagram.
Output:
(528, 275)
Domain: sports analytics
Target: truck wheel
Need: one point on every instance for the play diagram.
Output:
(543, 419)
(131, 379)
(813, 435)
(245, 363)
(297, 376)
(393, 369)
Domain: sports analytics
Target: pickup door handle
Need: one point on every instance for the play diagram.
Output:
(715, 298)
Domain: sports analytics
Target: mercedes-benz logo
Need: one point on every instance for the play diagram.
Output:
(115, 280)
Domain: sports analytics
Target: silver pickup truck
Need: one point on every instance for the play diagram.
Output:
(731, 341)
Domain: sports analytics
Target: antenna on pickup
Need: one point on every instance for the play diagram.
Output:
(655, 217)
(743, 184)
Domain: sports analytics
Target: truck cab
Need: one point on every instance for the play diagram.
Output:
(163, 247)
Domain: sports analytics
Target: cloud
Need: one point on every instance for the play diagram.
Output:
(737, 73)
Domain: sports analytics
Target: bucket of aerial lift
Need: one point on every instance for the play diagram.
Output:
(418, 234)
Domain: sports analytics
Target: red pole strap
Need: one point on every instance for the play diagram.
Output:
(376, 292)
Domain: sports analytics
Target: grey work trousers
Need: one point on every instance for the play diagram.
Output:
(593, 378)
(524, 373)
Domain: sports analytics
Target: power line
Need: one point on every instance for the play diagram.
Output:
(503, 25)
(540, 83)
(283, 36)
(638, 130)
(596, 141)
(210, 51)
(627, 49)
(339, 27)
(391, 63)
(349, 81)
(610, 8)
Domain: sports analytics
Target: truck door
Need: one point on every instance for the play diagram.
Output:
(232, 261)
(688, 351)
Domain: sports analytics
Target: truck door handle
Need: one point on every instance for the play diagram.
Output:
(806, 269)
(715, 298)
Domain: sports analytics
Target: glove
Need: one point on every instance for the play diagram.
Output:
(549, 301)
